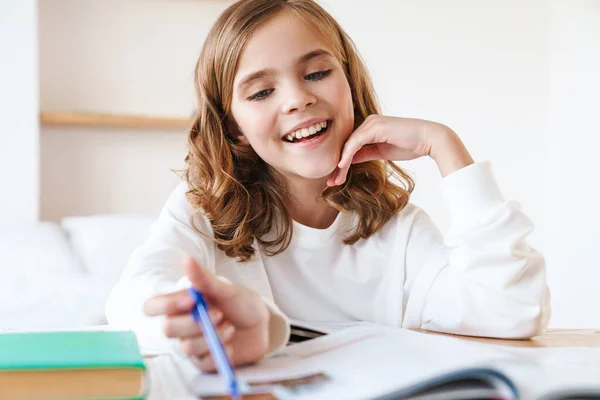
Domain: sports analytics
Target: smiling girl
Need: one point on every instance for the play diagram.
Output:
(292, 206)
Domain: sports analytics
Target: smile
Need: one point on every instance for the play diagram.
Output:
(307, 134)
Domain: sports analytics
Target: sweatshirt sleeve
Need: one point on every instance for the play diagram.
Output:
(156, 267)
(482, 279)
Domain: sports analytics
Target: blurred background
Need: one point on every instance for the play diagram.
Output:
(96, 96)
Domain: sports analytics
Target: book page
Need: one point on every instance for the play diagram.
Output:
(372, 360)
(549, 372)
(361, 362)
(166, 381)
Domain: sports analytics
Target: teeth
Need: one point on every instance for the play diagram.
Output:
(305, 132)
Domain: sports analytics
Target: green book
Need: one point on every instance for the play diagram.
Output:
(71, 365)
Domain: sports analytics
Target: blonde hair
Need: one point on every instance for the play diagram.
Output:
(241, 195)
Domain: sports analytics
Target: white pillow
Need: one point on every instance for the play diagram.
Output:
(35, 248)
(105, 242)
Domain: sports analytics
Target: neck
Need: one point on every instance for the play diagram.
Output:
(306, 206)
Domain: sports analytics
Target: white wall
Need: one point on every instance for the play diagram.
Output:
(116, 57)
(19, 180)
(100, 171)
(573, 141)
(132, 57)
(517, 80)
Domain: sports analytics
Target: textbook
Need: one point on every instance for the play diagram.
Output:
(383, 363)
(71, 365)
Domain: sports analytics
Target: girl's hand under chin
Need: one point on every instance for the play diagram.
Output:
(399, 139)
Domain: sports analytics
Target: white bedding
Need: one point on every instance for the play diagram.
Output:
(51, 301)
(58, 276)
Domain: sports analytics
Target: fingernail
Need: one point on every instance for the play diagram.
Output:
(185, 304)
(228, 331)
(215, 315)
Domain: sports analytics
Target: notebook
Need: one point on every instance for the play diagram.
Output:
(71, 365)
(374, 362)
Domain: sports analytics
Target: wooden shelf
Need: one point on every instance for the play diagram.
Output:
(112, 121)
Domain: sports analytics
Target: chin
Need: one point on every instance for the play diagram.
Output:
(316, 172)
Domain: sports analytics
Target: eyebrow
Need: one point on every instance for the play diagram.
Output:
(270, 72)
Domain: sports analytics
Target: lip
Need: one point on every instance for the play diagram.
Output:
(311, 144)
(304, 124)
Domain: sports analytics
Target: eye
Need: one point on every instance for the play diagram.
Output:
(317, 76)
(261, 95)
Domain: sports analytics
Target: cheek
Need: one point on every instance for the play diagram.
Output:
(254, 124)
(346, 99)
(342, 98)
(338, 92)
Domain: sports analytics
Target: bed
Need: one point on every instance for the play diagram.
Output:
(58, 275)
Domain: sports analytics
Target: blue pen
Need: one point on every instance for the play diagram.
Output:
(200, 315)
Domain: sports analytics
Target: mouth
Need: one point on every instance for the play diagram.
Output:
(308, 134)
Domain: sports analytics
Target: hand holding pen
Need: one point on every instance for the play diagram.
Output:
(217, 351)
(239, 315)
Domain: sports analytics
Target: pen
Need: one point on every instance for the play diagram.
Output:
(200, 315)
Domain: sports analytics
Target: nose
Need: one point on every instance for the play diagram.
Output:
(298, 98)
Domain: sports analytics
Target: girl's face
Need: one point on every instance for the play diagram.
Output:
(289, 85)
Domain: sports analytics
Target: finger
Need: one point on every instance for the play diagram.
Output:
(207, 364)
(184, 325)
(171, 303)
(206, 282)
(341, 175)
(362, 136)
(338, 176)
(367, 153)
(331, 180)
(198, 346)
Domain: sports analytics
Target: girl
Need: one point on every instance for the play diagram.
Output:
(292, 198)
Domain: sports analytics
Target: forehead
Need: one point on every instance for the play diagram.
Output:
(278, 43)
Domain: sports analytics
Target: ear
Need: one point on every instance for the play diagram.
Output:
(235, 131)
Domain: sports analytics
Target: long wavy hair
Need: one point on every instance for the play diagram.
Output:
(242, 196)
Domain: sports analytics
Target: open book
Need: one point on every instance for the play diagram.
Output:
(375, 362)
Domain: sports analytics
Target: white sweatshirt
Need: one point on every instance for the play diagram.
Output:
(483, 280)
